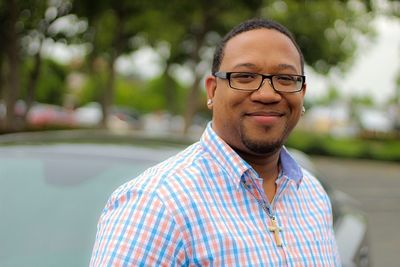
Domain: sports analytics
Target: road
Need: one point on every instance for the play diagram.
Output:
(377, 186)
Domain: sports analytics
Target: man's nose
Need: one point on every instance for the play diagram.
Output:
(266, 93)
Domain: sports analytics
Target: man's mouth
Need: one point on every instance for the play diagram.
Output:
(265, 117)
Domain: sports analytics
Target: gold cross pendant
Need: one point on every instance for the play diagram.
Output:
(275, 228)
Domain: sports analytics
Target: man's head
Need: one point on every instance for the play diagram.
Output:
(256, 122)
(248, 26)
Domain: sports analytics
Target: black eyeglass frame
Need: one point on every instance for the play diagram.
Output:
(227, 76)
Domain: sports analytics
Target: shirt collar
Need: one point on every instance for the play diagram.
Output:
(236, 166)
(290, 168)
(224, 154)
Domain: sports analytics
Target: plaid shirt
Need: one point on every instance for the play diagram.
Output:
(203, 207)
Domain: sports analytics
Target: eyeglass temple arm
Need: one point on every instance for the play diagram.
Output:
(221, 75)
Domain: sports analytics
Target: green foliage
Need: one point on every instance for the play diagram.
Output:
(365, 100)
(190, 22)
(112, 24)
(92, 89)
(332, 95)
(390, 7)
(389, 150)
(107, 22)
(159, 87)
(326, 31)
(317, 144)
(51, 87)
(138, 95)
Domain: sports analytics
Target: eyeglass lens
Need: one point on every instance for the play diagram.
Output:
(253, 81)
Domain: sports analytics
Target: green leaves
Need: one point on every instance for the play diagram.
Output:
(326, 31)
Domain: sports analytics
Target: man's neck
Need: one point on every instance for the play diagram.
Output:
(268, 169)
(266, 166)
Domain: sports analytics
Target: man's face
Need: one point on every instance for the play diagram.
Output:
(256, 122)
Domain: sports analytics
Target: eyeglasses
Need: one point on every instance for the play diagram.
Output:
(248, 81)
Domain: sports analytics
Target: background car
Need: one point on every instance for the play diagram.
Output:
(53, 187)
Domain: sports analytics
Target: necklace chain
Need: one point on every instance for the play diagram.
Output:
(262, 203)
(265, 205)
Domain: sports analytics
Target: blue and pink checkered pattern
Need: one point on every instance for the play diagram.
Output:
(193, 210)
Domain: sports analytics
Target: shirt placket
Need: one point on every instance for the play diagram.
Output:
(282, 185)
(254, 187)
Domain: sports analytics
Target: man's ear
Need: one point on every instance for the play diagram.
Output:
(304, 89)
(211, 86)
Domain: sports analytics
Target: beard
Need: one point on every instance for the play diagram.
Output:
(262, 146)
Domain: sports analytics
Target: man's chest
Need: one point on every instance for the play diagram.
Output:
(236, 230)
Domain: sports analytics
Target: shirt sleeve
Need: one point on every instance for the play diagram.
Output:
(135, 229)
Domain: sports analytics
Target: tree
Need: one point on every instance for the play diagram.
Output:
(326, 31)
(11, 57)
(112, 25)
(193, 28)
(39, 29)
(388, 8)
(391, 8)
(27, 25)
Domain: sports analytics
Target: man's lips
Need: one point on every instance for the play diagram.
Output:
(265, 117)
(266, 113)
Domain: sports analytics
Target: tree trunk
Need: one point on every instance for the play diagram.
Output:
(169, 90)
(13, 83)
(2, 75)
(193, 97)
(32, 84)
(108, 94)
(2, 87)
(108, 97)
(192, 104)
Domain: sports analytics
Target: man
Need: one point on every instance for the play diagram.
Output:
(236, 197)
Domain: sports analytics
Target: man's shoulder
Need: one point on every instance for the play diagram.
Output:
(310, 181)
(308, 175)
(168, 176)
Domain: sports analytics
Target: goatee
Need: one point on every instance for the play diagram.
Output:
(262, 147)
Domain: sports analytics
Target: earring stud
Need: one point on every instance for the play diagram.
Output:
(209, 102)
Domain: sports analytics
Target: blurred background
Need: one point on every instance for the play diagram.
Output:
(133, 66)
(140, 65)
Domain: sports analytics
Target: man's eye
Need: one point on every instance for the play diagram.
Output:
(244, 76)
(285, 79)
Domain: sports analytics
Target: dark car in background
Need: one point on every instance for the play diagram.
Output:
(53, 187)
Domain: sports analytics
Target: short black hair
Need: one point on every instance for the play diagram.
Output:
(249, 25)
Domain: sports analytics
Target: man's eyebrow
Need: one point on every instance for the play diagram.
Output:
(255, 67)
(248, 65)
(286, 66)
